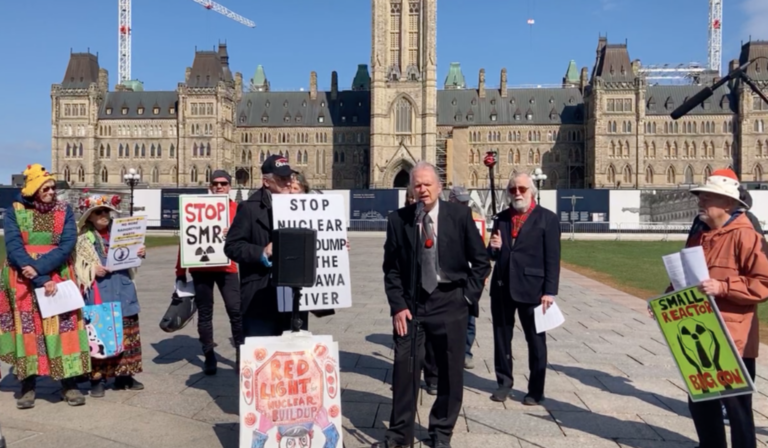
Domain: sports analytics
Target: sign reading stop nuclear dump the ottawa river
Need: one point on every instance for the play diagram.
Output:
(203, 220)
(326, 214)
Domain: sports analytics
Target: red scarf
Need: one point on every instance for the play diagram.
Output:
(518, 219)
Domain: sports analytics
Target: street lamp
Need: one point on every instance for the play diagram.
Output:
(132, 179)
(539, 178)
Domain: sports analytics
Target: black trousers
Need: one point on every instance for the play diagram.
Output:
(429, 365)
(708, 419)
(229, 287)
(503, 315)
(262, 317)
(441, 319)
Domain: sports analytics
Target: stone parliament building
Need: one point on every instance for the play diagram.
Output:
(604, 129)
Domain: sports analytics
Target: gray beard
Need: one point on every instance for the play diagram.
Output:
(521, 205)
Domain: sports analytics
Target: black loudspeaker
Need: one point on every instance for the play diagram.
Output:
(294, 257)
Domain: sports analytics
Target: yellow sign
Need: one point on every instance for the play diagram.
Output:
(701, 345)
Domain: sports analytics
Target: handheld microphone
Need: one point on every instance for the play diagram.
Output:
(419, 211)
(708, 92)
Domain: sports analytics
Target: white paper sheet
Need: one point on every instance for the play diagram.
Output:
(674, 265)
(694, 265)
(550, 320)
(67, 298)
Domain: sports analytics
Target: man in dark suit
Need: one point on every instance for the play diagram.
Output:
(526, 248)
(249, 244)
(430, 300)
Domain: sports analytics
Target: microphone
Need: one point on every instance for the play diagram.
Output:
(419, 211)
(708, 92)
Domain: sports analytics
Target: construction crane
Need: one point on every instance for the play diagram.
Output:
(695, 73)
(124, 32)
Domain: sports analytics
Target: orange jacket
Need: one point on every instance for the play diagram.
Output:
(232, 268)
(735, 256)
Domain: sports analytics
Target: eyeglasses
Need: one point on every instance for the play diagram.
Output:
(47, 189)
(219, 184)
(101, 211)
(514, 190)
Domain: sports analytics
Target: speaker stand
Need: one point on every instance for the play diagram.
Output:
(296, 321)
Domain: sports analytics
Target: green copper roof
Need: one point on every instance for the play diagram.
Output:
(362, 79)
(259, 78)
(455, 79)
(572, 75)
(134, 84)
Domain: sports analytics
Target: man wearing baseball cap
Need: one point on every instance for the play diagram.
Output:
(206, 278)
(249, 243)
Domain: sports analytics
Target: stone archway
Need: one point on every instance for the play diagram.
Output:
(402, 179)
(242, 176)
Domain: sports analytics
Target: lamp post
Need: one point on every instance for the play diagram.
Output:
(539, 178)
(132, 179)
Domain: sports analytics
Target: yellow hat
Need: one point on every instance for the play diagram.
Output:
(34, 178)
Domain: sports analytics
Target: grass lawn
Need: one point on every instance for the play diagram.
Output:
(634, 267)
(151, 241)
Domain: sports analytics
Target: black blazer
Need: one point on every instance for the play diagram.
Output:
(531, 268)
(459, 244)
(250, 232)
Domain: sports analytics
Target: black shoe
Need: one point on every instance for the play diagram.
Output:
(210, 363)
(97, 388)
(127, 383)
(27, 397)
(441, 444)
(71, 393)
(431, 389)
(530, 401)
(501, 394)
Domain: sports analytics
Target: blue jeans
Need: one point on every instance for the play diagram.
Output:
(470, 335)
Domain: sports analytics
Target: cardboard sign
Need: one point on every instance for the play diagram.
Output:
(290, 394)
(326, 214)
(125, 239)
(701, 345)
(203, 220)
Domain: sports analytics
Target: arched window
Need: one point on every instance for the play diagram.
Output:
(81, 174)
(159, 150)
(403, 117)
(304, 159)
(136, 151)
(510, 157)
(671, 175)
(66, 174)
(473, 179)
(80, 150)
(193, 174)
(688, 177)
(102, 151)
(627, 175)
(537, 157)
(109, 151)
(649, 175)
(174, 175)
(172, 152)
(517, 157)
(123, 171)
(530, 157)
(707, 172)
(104, 175)
(208, 150)
(155, 176)
(758, 173)
(208, 175)
(611, 175)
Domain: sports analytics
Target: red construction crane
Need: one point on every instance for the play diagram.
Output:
(124, 32)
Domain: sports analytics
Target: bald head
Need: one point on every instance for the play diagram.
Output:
(425, 183)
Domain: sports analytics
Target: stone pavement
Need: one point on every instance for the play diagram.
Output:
(611, 382)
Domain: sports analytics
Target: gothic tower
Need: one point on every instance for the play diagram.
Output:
(403, 88)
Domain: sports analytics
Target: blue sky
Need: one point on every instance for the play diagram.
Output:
(294, 37)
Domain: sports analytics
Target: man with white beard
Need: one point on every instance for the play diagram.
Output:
(525, 245)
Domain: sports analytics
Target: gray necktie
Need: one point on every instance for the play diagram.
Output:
(428, 256)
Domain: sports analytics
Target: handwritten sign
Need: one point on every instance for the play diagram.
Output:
(326, 214)
(125, 239)
(289, 385)
(701, 345)
(203, 220)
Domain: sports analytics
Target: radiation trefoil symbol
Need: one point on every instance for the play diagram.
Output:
(203, 254)
(701, 349)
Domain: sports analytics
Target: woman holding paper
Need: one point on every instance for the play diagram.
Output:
(738, 271)
(40, 234)
(102, 286)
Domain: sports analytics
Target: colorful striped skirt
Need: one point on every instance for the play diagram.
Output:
(126, 363)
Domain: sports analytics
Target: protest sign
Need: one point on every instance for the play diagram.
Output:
(480, 223)
(203, 220)
(326, 214)
(290, 392)
(125, 240)
(701, 345)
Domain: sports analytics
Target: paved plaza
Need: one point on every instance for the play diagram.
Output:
(611, 381)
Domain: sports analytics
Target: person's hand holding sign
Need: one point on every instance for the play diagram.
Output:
(496, 240)
(712, 287)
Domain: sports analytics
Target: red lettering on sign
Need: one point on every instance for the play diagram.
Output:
(212, 212)
(665, 316)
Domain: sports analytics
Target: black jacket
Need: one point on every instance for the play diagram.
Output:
(250, 232)
(459, 245)
(531, 268)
